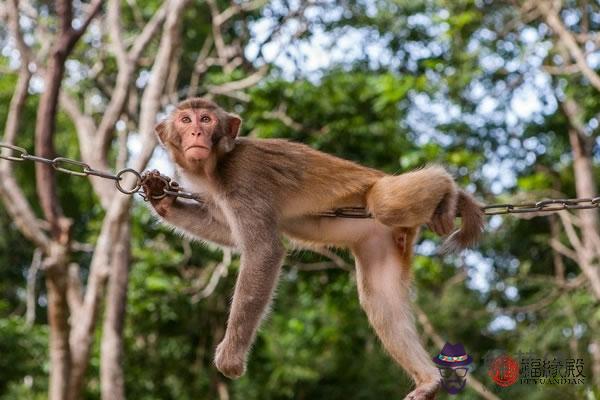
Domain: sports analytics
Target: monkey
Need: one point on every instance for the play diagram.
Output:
(254, 192)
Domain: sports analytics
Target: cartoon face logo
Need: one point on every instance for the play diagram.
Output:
(453, 364)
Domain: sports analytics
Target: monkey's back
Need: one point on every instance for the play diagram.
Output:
(303, 179)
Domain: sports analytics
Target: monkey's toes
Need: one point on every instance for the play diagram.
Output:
(442, 224)
(229, 363)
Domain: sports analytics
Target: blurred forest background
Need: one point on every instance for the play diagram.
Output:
(98, 300)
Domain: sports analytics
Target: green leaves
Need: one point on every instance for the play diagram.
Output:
(24, 353)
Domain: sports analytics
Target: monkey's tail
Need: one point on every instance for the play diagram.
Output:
(472, 224)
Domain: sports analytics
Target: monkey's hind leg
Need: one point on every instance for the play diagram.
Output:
(383, 287)
(423, 196)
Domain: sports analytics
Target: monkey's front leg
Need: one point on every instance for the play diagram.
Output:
(262, 255)
(199, 221)
(191, 217)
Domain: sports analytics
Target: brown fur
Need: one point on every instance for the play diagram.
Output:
(255, 190)
(410, 199)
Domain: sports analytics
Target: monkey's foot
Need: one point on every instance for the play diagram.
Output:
(442, 221)
(229, 361)
(425, 391)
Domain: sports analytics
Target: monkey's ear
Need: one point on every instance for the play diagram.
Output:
(161, 132)
(233, 125)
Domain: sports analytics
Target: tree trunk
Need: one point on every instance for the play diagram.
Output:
(111, 361)
(44, 145)
(595, 353)
(60, 356)
(586, 188)
(56, 263)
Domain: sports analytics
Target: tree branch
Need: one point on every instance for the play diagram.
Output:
(113, 17)
(58, 318)
(46, 116)
(317, 266)
(85, 127)
(337, 260)
(12, 10)
(12, 196)
(116, 214)
(111, 365)
(74, 291)
(563, 250)
(567, 38)
(36, 263)
(75, 34)
(219, 272)
(148, 33)
(200, 66)
(127, 62)
(150, 103)
(584, 255)
(236, 9)
(565, 218)
(241, 84)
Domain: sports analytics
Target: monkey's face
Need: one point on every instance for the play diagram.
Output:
(196, 127)
(196, 130)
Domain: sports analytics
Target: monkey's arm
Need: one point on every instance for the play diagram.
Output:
(194, 218)
(197, 220)
(262, 256)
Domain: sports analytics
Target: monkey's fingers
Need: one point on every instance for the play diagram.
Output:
(154, 184)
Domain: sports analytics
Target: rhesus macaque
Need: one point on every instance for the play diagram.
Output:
(256, 190)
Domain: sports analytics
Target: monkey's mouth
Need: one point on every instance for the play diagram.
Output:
(196, 146)
(197, 152)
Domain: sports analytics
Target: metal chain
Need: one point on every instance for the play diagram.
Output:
(170, 188)
(542, 206)
(73, 167)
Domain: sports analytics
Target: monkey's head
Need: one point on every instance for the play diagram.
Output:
(197, 129)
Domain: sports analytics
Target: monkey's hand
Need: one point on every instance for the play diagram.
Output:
(154, 185)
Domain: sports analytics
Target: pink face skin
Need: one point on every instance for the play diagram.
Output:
(196, 127)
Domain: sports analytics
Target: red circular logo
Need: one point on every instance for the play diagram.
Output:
(504, 370)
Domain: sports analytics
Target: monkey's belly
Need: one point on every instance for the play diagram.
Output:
(341, 232)
(299, 206)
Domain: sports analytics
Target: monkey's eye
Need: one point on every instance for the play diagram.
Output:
(186, 120)
(205, 119)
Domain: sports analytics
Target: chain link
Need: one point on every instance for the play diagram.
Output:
(72, 167)
(543, 206)
(170, 188)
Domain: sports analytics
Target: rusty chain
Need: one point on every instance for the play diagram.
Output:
(79, 168)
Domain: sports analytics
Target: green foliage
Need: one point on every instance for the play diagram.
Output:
(317, 343)
(24, 362)
(351, 114)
